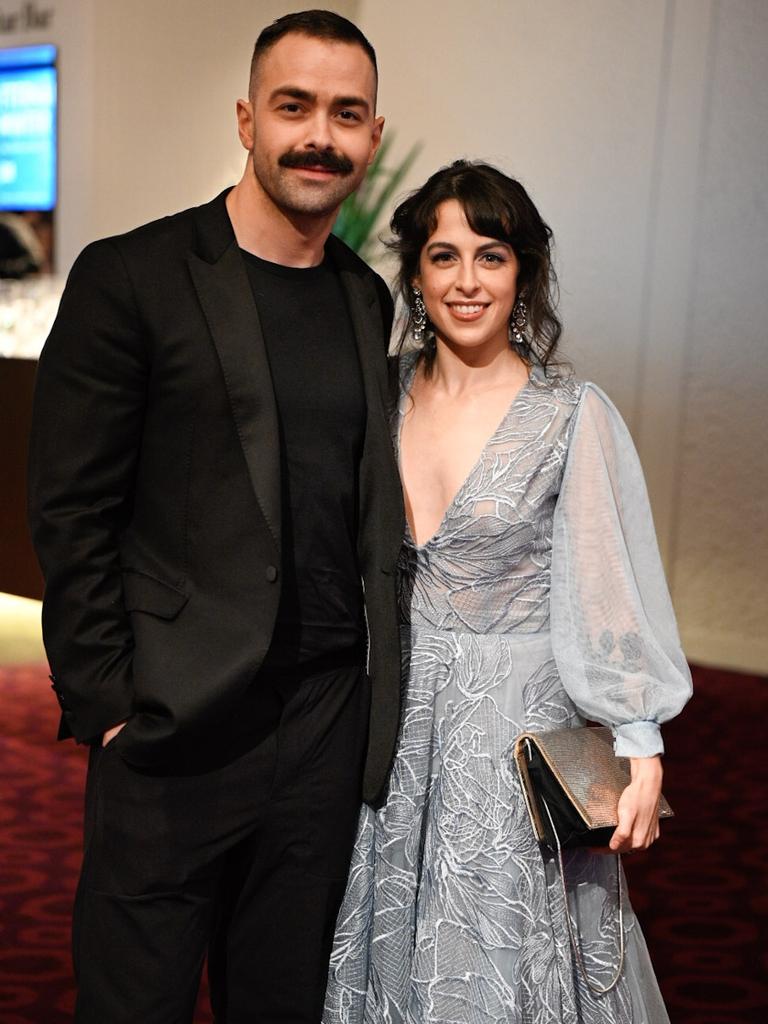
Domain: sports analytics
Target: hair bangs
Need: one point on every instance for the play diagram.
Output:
(496, 206)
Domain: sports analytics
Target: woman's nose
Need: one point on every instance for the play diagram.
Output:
(467, 278)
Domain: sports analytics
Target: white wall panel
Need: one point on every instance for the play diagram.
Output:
(640, 131)
(147, 105)
(720, 550)
(168, 76)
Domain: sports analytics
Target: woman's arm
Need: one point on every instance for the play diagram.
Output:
(614, 634)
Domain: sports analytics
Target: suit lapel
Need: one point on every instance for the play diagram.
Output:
(222, 286)
(380, 500)
(363, 307)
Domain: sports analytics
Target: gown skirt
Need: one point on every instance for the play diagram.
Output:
(540, 602)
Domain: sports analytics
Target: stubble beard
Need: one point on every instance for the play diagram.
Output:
(305, 198)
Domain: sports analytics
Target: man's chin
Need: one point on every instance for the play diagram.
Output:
(303, 196)
(318, 202)
(299, 195)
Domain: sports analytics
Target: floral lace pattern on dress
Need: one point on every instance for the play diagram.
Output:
(451, 914)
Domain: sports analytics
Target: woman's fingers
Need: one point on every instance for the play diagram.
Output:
(638, 810)
(621, 840)
(638, 824)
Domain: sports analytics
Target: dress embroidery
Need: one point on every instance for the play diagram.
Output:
(451, 914)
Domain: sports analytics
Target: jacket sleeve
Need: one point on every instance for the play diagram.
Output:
(86, 432)
(614, 634)
(387, 308)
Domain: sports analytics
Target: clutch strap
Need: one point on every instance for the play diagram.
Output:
(597, 990)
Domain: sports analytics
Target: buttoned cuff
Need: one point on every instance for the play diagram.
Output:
(637, 739)
(88, 720)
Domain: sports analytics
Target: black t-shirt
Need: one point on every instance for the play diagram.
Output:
(321, 415)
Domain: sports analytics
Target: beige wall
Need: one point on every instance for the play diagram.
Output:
(147, 104)
(641, 131)
(169, 74)
(639, 128)
(720, 538)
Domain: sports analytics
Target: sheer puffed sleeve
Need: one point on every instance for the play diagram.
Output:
(614, 634)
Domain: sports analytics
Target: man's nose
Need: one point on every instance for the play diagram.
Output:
(319, 132)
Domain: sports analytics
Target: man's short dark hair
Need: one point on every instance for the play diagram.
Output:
(317, 25)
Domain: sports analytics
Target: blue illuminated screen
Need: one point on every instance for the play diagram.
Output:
(28, 92)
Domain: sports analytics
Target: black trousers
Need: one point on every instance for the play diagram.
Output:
(245, 859)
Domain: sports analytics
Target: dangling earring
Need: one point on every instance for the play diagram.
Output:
(418, 316)
(518, 323)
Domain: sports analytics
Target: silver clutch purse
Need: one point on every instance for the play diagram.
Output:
(572, 780)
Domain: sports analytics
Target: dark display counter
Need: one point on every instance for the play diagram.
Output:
(19, 572)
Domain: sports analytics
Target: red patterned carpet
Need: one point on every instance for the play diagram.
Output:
(701, 894)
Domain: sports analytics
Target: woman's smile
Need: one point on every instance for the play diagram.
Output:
(468, 282)
(467, 312)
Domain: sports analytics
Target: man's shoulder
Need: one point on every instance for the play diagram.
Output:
(347, 259)
(160, 237)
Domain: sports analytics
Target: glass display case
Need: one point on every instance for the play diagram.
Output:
(27, 310)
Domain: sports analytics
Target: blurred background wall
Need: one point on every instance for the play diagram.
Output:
(641, 131)
(147, 104)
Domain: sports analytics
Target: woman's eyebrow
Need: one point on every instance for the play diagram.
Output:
(481, 248)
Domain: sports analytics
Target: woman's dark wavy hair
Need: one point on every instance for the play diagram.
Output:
(496, 206)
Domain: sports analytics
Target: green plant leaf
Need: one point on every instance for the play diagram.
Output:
(361, 211)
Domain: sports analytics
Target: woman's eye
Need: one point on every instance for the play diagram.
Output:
(493, 257)
(442, 257)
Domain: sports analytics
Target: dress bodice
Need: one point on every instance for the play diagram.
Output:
(487, 567)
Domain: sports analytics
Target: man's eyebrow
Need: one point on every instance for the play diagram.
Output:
(295, 93)
(351, 101)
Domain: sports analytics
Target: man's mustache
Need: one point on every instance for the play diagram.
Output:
(326, 159)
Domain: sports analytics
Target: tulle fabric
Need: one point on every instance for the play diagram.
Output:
(539, 602)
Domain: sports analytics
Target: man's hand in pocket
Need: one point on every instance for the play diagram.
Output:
(111, 733)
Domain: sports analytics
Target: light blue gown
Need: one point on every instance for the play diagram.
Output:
(539, 602)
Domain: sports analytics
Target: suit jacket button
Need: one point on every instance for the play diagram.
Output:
(271, 573)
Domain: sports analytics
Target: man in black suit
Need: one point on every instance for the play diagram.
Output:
(217, 512)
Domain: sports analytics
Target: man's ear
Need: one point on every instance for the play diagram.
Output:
(378, 128)
(245, 123)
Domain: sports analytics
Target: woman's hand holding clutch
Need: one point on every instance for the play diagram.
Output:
(638, 808)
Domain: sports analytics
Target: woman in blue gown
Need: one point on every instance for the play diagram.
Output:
(532, 597)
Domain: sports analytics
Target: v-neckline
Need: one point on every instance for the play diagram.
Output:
(475, 466)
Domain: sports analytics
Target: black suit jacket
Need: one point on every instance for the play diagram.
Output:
(155, 490)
